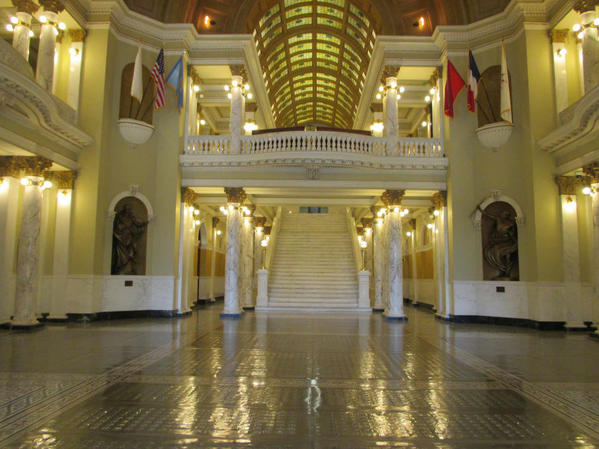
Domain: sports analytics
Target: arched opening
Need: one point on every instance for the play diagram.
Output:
(499, 232)
(129, 106)
(129, 237)
(489, 96)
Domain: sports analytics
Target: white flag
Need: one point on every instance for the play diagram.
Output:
(137, 90)
(506, 102)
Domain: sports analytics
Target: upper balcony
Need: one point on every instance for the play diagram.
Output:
(321, 148)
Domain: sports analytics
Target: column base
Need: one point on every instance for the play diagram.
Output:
(230, 316)
(248, 307)
(576, 327)
(440, 316)
(376, 310)
(25, 325)
(57, 318)
(396, 317)
(595, 334)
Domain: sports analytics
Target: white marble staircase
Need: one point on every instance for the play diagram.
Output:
(313, 264)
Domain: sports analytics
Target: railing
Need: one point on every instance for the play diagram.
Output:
(325, 142)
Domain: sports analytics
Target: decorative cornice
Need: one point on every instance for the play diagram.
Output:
(259, 222)
(569, 184)
(26, 6)
(188, 196)
(77, 35)
(54, 6)
(592, 171)
(392, 197)
(63, 180)
(21, 166)
(235, 195)
(559, 36)
(367, 222)
(582, 6)
(439, 199)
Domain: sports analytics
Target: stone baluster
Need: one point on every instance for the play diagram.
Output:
(394, 309)
(568, 186)
(47, 47)
(235, 198)
(590, 43)
(21, 34)
(31, 170)
(237, 113)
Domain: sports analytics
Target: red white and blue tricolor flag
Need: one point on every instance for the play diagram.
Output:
(473, 79)
(158, 77)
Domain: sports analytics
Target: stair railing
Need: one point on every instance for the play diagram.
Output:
(274, 233)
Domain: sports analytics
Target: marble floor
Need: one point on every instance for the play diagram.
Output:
(297, 380)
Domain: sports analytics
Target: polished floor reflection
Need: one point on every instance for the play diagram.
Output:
(297, 380)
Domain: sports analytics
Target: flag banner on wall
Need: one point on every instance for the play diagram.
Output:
(175, 80)
(473, 79)
(506, 98)
(159, 81)
(454, 84)
(137, 89)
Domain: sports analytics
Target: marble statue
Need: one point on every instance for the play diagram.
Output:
(127, 231)
(500, 241)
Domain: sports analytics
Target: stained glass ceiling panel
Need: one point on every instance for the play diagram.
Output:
(314, 54)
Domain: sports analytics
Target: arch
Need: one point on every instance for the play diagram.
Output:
(129, 107)
(203, 236)
(134, 193)
(497, 195)
(489, 96)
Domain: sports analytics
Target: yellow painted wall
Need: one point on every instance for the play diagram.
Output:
(206, 260)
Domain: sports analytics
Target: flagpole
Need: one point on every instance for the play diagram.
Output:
(186, 97)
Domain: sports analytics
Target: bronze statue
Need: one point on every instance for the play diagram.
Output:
(500, 248)
(127, 230)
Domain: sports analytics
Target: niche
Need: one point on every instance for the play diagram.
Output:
(129, 237)
(130, 108)
(500, 242)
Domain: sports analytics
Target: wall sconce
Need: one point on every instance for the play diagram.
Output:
(219, 232)
(250, 126)
(377, 127)
(393, 85)
(589, 191)
(561, 52)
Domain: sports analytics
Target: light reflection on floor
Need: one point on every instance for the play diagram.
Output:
(297, 380)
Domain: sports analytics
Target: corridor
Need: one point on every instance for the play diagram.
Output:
(297, 380)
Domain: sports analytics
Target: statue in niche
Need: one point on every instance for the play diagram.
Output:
(129, 238)
(500, 242)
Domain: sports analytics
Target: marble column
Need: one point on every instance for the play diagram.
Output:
(47, 50)
(592, 170)
(259, 223)
(262, 288)
(568, 186)
(590, 45)
(75, 55)
(237, 113)
(235, 198)
(378, 263)
(413, 264)
(9, 208)
(394, 255)
(364, 289)
(247, 268)
(215, 237)
(28, 255)
(390, 110)
(560, 75)
(21, 34)
(441, 235)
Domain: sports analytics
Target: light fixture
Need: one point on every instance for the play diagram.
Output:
(46, 185)
(250, 126)
(206, 20)
(246, 86)
(424, 123)
(432, 91)
(42, 19)
(14, 20)
(229, 95)
(580, 35)
(363, 244)
(596, 22)
(427, 98)
(436, 213)
(577, 27)
(25, 181)
(219, 232)
(402, 89)
(31, 33)
(393, 84)
(196, 222)
(561, 52)
(202, 122)
(409, 234)
(227, 87)
(381, 212)
(73, 51)
(588, 191)
(430, 226)
(379, 96)
(196, 88)
(264, 243)
(9, 27)
(234, 83)
(421, 22)
(250, 95)
(196, 212)
(377, 127)
(381, 88)
(62, 26)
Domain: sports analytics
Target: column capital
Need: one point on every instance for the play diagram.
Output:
(412, 222)
(215, 221)
(63, 180)
(367, 222)
(582, 6)
(21, 166)
(592, 171)
(436, 76)
(568, 184)
(26, 6)
(389, 71)
(235, 195)
(439, 199)
(259, 222)
(559, 36)
(77, 35)
(188, 196)
(238, 70)
(54, 6)
(392, 197)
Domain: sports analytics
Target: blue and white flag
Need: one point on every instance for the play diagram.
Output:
(175, 80)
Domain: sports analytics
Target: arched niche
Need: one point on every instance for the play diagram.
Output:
(489, 96)
(129, 237)
(498, 218)
(129, 107)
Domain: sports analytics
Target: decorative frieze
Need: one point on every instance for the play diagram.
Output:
(21, 166)
(439, 199)
(188, 196)
(392, 197)
(235, 195)
(63, 180)
(568, 184)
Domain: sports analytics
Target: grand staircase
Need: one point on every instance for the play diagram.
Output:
(313, 264)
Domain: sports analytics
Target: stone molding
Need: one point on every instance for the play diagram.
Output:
(568, 185)
(235, 195)
(134, 192)
(21, 166)
(392, 197)
(439, 199)
(497, 195)
(26, 6)
(63, 180)
(188, 196)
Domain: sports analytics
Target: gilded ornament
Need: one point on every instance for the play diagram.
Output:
(215, 221)
(582, 6)
(392, 197)
(77, 35)
(189, 196)
(259, 222)
(55, 6)
(26, 6)
(439, 199)
(63, 180)
(592, 171)
(21, 166)
(568, 184)
(235, 195)
(367, 222)
(559, 36)
(389, 71)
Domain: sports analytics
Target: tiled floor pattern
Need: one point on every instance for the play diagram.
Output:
(298, 380)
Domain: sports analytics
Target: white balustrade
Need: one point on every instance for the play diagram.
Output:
(318, 141)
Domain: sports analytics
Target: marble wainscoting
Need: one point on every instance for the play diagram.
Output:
(549, 302)
(426, 291)
(7, 298)
(86, 294)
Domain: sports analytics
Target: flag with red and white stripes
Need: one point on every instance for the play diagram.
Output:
(158, 77)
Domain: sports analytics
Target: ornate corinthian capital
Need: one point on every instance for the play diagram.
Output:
(235, 195)
(392, 197)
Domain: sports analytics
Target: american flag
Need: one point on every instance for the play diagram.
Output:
(158, 77)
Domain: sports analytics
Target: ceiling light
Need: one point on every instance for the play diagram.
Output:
(14, 20)
(202, 122)
(62, 26)
(42, 19)
(196, 88)
(427, 98)
(576, 28)
(206, 20)
(9, 27)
